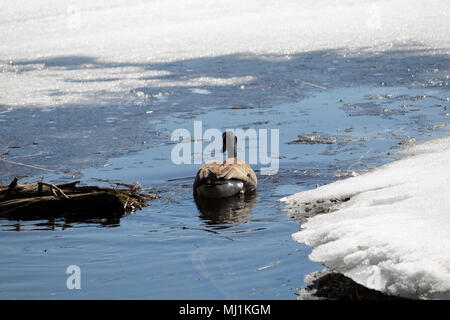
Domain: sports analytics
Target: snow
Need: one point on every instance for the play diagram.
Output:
(45, 43)
(177, 28)
(393, 234)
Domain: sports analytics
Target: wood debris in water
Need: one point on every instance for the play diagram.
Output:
(43, 200)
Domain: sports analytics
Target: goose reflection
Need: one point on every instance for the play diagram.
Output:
(226, 212)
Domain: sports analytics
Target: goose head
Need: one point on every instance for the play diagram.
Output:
(229, 144)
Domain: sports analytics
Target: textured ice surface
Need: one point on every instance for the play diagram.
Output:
(177, 29)
(84, 52)
(388, 229)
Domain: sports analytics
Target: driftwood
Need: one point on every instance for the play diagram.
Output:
(45, 200)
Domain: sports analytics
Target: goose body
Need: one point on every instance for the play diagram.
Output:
(220, 189)
(231, 177)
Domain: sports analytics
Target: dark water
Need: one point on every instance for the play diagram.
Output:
(171, 250)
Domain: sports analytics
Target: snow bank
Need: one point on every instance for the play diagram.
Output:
(388, 229)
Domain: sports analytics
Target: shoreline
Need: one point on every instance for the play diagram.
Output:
(378, 223)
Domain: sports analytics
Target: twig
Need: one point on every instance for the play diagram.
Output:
(53, 188)
(26, 165)
(314, 85)
(181, 178)
(54, 192)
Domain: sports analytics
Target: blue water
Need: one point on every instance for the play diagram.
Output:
(165, 250)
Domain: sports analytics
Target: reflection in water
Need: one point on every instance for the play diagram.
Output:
(61, 223)
(226, 212)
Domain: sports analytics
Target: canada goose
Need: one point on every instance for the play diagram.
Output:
(218, 179)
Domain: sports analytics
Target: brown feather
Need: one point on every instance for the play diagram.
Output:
(232, 168)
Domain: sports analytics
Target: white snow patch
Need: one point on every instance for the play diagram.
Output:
(130, 29)
(94, 52)
(200, 91)
(393, 235)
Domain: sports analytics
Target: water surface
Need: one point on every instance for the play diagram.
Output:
(173, 250)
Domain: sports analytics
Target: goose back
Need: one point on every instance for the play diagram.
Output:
(230, 169)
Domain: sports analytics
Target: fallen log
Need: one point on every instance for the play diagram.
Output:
(44, 200)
